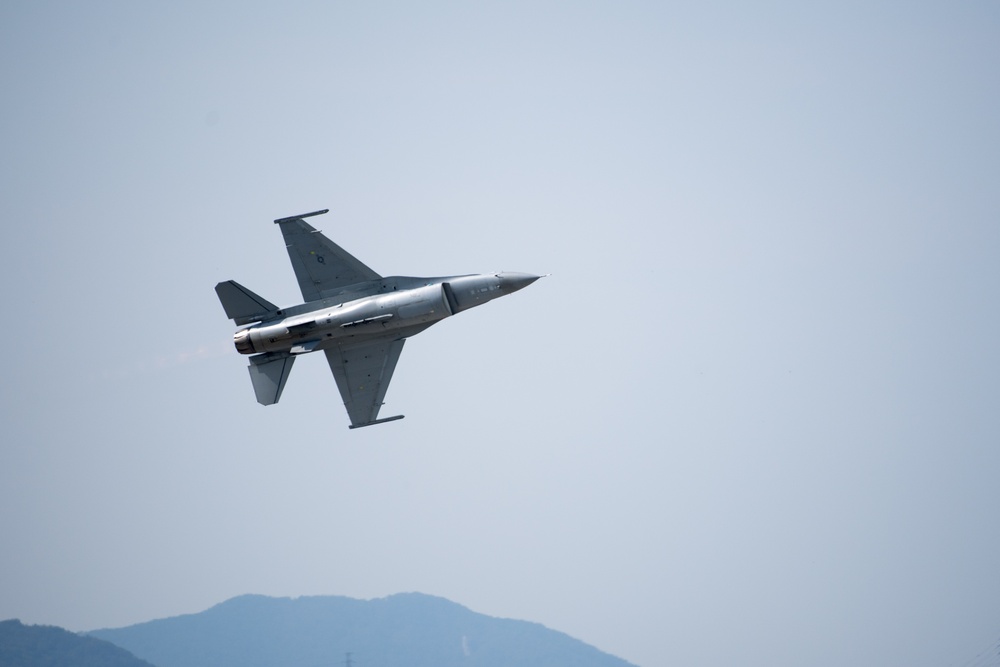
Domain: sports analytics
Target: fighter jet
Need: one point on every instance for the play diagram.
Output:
(356, 317)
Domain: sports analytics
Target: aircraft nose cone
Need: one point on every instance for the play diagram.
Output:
(515, 281)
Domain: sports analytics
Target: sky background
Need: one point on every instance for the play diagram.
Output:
(752, 417)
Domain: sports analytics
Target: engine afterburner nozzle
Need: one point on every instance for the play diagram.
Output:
(242, 341)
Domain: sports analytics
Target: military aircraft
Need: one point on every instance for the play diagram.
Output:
(358, 318)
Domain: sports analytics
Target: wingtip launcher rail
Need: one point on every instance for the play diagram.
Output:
(299, 217)
(377, 421)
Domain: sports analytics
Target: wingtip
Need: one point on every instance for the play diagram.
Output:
(377, 421)
(300, 216)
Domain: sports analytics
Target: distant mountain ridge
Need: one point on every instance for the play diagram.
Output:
(404, 630)
(48, 646)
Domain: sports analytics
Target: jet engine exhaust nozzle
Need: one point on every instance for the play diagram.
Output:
(242, 341)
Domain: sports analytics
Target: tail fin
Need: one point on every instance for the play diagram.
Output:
(242, 305)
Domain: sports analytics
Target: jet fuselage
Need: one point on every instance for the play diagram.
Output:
(395, 303)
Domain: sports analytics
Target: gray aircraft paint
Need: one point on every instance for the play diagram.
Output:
(358, 318)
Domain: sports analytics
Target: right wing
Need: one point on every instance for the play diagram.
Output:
(363, 372)
(320, 264)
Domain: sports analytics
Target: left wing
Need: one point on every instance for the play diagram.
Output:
(363, 372)
(320, 264)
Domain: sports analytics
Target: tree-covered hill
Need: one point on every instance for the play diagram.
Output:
(46, 646)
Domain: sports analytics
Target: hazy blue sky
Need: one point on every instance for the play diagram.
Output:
(752, 418)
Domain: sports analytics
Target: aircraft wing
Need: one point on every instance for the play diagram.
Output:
(363, 372)
(320, 264)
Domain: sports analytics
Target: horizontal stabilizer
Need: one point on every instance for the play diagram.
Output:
(269, 374)
(242, 305)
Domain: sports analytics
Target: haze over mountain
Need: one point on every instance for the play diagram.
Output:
(406, 630)
(47, 646)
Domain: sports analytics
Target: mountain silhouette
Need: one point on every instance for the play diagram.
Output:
(405, 630)
(47, 646)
